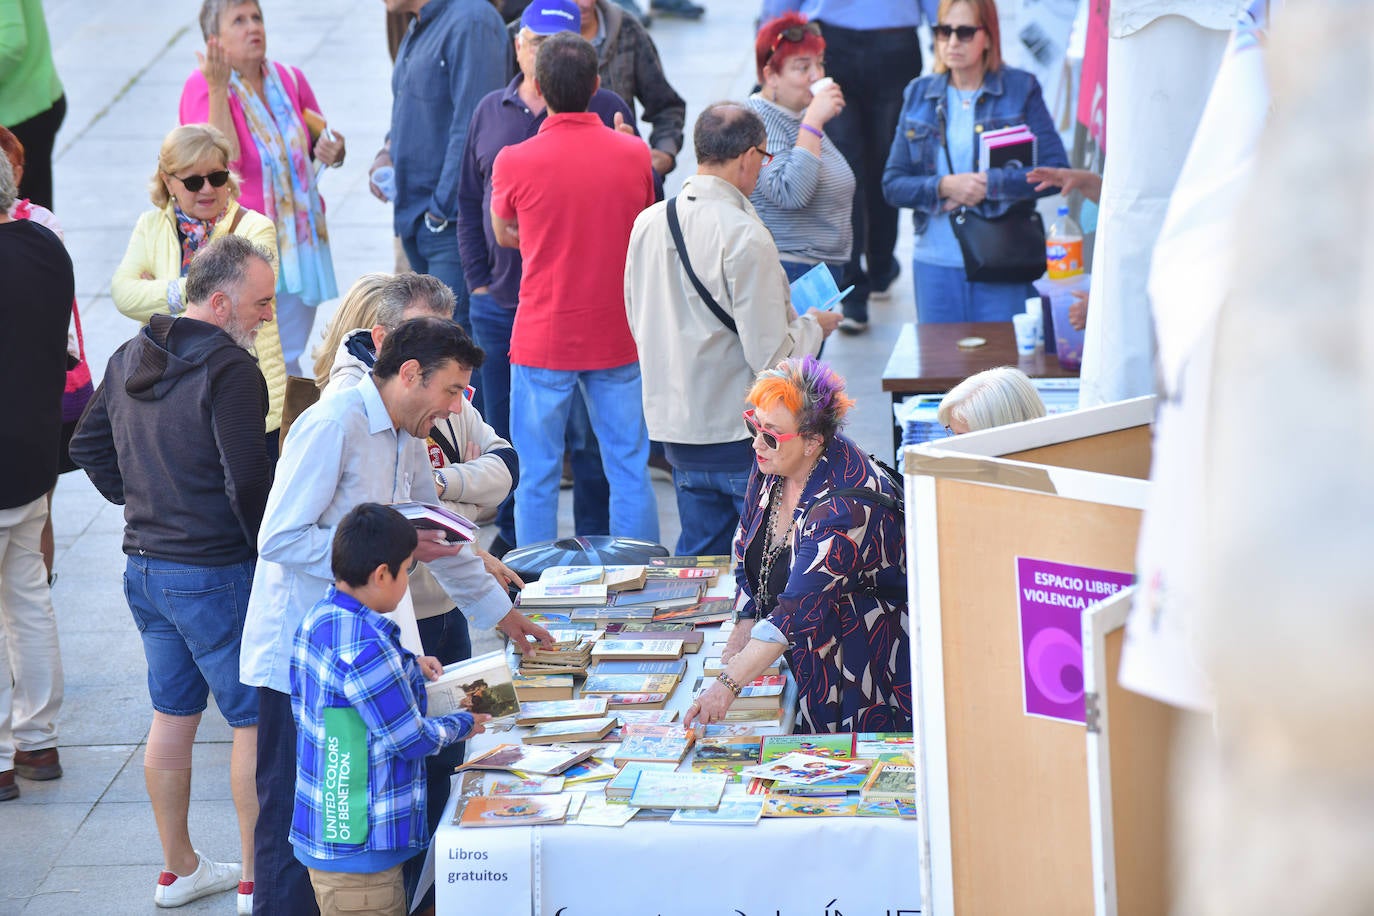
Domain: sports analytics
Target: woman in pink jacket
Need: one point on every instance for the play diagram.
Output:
(271, 116)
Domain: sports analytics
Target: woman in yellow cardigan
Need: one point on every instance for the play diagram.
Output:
(195, 195)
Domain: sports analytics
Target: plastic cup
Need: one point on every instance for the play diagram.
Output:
(385, 180)
(821, 83)
(1026, 336)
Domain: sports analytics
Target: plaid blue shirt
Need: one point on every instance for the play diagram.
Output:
(346, 654)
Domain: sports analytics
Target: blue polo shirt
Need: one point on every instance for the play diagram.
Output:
(502, 120)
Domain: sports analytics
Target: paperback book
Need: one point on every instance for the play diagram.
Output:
(571, 731)
(718, 561)
(777, 806)
(535, 688)
(480, 685)
(623, 783)
(889, 780)
(510, 784)
(557, 710)
(676, 667)
(896, 746)
(629, 683)
(822, 745)
(514, 810)
(654, 743)
(618, 702)
(897, 807)
(660, 594)
(733, 809)
(538, 594)
(663, 789)
(598, 812)
(615, 578)
(430, 517)
(639, 649)
(543, 761)
(803, 769)
(708, 610)
(593, 769)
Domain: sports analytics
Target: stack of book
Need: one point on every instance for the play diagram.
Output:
(570, 653)
(634, 649)
(571, 730)
(631, 691)
(531, 687)
(760, 700)
(552, 760)
(539, 713)
(692, 638)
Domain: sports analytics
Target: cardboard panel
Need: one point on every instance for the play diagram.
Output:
(1124, 453)
(1017, 784)
(1141, 733)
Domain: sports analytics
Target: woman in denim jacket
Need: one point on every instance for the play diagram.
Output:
(970, 92)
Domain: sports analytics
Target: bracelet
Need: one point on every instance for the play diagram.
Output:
(812, 130)
(730, 683)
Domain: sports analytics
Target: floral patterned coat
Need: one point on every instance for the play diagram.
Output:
(848, 647)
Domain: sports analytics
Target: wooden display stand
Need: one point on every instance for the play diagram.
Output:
(1007, 814)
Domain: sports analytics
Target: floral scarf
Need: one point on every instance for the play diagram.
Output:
(290, 197)
(194, 233)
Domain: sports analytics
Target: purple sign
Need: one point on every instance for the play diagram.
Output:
(1052, 597)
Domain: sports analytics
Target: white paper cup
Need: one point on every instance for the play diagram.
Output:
(1026, 337)
(821, 83)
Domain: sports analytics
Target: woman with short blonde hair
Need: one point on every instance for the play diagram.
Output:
(995, 397)
(357, 310)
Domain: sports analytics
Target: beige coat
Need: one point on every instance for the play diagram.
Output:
(154, 248)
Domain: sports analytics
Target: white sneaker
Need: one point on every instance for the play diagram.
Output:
(245, 898)
(853, 325)
(208, 878)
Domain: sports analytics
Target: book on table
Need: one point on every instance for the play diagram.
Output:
(839, 746)
(593, 769)
(640, 649)
(623, 783)
(535, 688)
(544, 760)
(804, 769)
(763, 692)
(621, 701)
(430, 517)
(604, 615)
(654, 743)
(539, 594)
(629, 683)
(718, 560)
(706, 574)
(893, 807)
(570, 731)
(663, 789)
(708, 610)
(601, 812)
(676, 666)
(711, 666)
(732, 749)
(499, 783)
(641, 716)
(537, 713)
(888, 780)
(662, 594)
(514, 810)
(692, 639)
(479, 685)
(615, 578)
(741, 810)
(786, 806)
(895, 746)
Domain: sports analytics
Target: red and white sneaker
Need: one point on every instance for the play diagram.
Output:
(209, 878)
(245, 898)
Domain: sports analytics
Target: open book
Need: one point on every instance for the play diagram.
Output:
(816, 289)
(439, 518)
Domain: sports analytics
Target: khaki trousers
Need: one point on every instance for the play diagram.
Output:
(340, 893)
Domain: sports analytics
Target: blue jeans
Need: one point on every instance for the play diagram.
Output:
(709, 504)
(436, 254)
(191, 621)
(491, 327)
(281, 883)
(541, 400)
(945, 294)
(874, 67)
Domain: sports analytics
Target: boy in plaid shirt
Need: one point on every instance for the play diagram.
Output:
(359, 701)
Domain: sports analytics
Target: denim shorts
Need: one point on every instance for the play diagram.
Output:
(191, 621)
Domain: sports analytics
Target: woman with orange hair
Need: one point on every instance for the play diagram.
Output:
(820, 564)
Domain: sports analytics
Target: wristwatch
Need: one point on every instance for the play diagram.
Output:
(439, 483)
(435, 227)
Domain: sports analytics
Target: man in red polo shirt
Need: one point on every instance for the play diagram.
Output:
(567, 198)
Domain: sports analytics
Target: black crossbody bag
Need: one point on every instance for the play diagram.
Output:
(675, 228)
(998, 249)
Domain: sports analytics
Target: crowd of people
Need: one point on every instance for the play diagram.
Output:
(556, 305)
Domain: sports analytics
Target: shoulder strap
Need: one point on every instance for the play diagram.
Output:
(447, 445)
(234, 223)
(675, 228)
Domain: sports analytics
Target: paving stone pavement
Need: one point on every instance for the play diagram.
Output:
(87, 843)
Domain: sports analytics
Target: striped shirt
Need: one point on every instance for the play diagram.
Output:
(804, 201)
(347, 654)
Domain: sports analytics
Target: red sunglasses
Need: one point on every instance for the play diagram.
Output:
(772, 440)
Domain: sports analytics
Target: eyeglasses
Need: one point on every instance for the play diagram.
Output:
(767, 156)
(772, 440)
(796, 35)
(962, 32)
(194, 183)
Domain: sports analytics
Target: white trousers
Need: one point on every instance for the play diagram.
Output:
(30, 664)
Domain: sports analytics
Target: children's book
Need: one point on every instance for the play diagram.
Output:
(514, 810)
(598, 812)
(897, 807)
(778, 806)
(662, 789)
(594, 769)
(510, 784)
(654, 743)
(888, 780)
(822, 745)
(623, 783)
(802, 769)
(895, 746)
(733, 809)
(538, 713)
(481, 684)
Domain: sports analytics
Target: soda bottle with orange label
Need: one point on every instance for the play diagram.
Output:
(1064, 247)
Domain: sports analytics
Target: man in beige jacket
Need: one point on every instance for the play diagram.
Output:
(703, 363)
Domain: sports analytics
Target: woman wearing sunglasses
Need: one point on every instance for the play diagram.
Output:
(805, 195)
(820, 564)
(194, 194)
(969, 93)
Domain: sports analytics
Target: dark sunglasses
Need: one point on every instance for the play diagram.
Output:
(964, 32)
(194, 183)
(795, 34)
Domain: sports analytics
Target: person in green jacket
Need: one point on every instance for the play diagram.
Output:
(32, 102)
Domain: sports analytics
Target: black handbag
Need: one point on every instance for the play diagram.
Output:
(998, 249)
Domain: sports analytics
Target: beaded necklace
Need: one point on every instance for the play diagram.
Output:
(774, 544)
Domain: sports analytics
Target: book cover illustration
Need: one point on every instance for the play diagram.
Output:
(803, 769)
(897, 746)
(510, 784)
(623, 783)
(733, 749)
(549, 760)
(664, 789)
(593, 769)
(481, 685)
(537, 712)
(676, 667)
(824, 745)
(890, 780)
(779, 806)
(733, 809)
(514, 810)
(637, 648)
(570, 730)
(894, 807)
(629, 683)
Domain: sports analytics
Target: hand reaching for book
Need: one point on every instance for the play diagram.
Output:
(430, 667)
(517, 626)
(710, 706)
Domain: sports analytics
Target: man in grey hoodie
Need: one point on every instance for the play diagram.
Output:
(174, 434)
